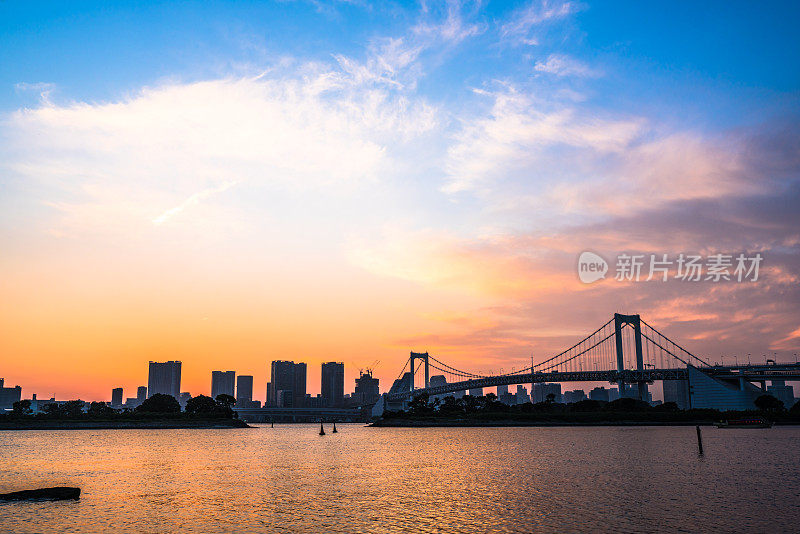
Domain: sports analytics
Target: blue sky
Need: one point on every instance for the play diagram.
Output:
(391, 176)
(737, 51)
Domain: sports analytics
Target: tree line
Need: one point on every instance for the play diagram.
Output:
(488, 407)
(158, 406)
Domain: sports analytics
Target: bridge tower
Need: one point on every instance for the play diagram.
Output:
(633, 320)
(424, 357)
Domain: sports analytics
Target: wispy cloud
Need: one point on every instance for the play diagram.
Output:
(536, 13)
(193, 200)
(564, 65)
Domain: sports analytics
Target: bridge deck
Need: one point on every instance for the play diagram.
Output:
(749, 373)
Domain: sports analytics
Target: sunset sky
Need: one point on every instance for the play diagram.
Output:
(232, 183)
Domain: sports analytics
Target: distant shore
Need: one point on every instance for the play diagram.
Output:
(450, 423)
(410, 423)
(133, 424)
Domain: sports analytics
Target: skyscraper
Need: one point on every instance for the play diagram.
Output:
(222, 383)
(287, 385)
(8, 396)
(244, 388)
(164, 378)
(367, 388)
(116, 397)
(141, 393)
(332, 387)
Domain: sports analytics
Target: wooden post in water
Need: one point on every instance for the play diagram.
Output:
(699, 440)
(321, 429)
(334, 427)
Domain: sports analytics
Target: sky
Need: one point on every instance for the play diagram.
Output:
(233, 183)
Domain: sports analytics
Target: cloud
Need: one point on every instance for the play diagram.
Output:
(563, 65)
(516, 133)
(44, 89)
(537, 13)
(195, 199)
(528, 279)
(134, 159)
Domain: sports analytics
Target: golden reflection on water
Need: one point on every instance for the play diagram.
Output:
(289, 479)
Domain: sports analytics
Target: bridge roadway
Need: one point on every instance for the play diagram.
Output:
(750, 373)
(300, 415)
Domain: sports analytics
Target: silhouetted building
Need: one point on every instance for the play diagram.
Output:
(476, 392)
(576, 395)
(223, 383)
(116, 397)
(599, 394)
(676, 391)
(367, 389)
(721, 394)
(504, 396)
(542, 390)
(244, 388)
(332, 386)
(164, 378)
(522, 395)
(632, 392)
(287, 385)
(782, 392)
(437, 381)
(141, 395)
(8, 396)
(401, 384)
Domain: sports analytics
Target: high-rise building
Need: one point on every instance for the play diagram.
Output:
(522, 395)
(287, 385)
(599, 394)
(164, 378)
(542, 390)
(116, 397)
(222, 383)
(676, 391)
(502, 390)
(141, 393)
(244, 388)
(367, 389)
(332, 387)
(782, 392)
(575, 395)
(8, 396)
(476, 392)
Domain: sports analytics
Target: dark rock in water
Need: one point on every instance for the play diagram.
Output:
(58, 494)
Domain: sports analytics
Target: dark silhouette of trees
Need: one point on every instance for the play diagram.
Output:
(627, 404)
(159, 403)
(419, 405)
(769, 404)
(21, 408)
(585, 405)
(100, 409)
(451, 405)
(201, 405)
(667, 407)
(795, 410)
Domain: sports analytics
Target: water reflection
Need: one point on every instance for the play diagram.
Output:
(289, 479)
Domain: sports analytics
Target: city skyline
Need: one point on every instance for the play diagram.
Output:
(226, 184)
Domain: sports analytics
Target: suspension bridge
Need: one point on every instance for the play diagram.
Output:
(625, 350)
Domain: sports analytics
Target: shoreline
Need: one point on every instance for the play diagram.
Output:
(113, 425)
(495, 424)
